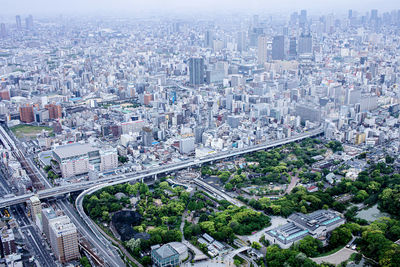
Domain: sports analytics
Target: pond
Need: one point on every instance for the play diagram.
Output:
(371, 214)
(124, 221)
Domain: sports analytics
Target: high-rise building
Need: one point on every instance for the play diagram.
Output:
(303, 17)
(64, 239)
(26, 114)
(278, 48)
(292, 47)
(47, 215)
(3, 32)
(209, 39)
(7, 242)
(18, 21)
(374, 14)
(55, 111)
(196, 70)
(305, 44)
(29, 22)
(262, 50)
(34, 207)
(241, 41)
(255, 20)
(350, 14)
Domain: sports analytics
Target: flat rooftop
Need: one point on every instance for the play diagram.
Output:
(288, 233)
(73, 150)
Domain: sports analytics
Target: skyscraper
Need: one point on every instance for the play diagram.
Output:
(303, 17)
(262, 50)
(196, 70)
(278, 48)
(29, 22)
(305, 44)
(292, 47)
(241, 41)
(18, 21)
(374, 14)
(209, 39)
(350, 14)
(3, 32)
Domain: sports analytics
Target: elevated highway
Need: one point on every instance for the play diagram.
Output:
(139, 176)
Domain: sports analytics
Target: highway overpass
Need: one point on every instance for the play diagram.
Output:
(139, 176)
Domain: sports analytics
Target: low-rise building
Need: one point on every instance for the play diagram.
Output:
(316, 224)
(169, 255)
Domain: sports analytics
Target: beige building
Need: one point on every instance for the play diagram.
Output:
(64, 239)
(34, 207)
(262, 50)
(76, 159)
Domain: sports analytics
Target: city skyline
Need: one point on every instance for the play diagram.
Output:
(176, 7)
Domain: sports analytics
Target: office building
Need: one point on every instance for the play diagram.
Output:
(41, 115)
(186, 145)
(262, 50)
(305, 44)
(26, 114)
(209, 39)
(233, 121)
(3, 32)
(76, 159)
(34, 207)
(278, 48)
(292, 48)
(64, 239)
(18, 21)
(29, 22)
(241, 41)
(303, 17)
(308, 112)
(196, 70)
(374, 14)
(147, 134)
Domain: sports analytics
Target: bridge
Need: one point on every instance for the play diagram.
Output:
(140, 176)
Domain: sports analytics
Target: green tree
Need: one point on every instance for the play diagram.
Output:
(255, 245)
(309, 246)
(340, 236)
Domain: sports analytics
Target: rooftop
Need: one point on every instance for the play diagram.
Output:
(73, 150)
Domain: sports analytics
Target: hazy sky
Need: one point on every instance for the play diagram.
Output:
(104, 7)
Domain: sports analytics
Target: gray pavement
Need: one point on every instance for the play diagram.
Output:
(335, 258)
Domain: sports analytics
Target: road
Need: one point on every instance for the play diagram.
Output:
(127, 177)
(217, 192)
(292, 184)
(105, 249)
(35, 242)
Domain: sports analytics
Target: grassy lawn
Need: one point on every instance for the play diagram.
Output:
(29, 131)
